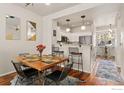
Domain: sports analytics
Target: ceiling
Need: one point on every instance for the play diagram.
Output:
(44, 10)
(75, 19)
(90, 14)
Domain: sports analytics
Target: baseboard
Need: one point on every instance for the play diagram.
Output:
(6, 73)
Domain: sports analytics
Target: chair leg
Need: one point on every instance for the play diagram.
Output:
(33, 80)
(22, 81)
(17, 80)
(57, 83)
(47, 81)
(68, 80)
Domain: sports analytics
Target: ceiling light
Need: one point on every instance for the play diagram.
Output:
(28, 4)
(68, 28)
(83, 27)
(11, 17)
(7, 16)
(110, 28)
(58, 26)
(47, 4)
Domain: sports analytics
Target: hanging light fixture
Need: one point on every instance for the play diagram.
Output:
(28, 4)
(68, 28)
(110, 28)
(58, 25)
(83, 27)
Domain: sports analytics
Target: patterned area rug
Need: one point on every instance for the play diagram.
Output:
(108, 70)
(68, 81)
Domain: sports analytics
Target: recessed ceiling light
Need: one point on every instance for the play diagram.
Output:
(7, 16)
(47, 4)
(11, 16)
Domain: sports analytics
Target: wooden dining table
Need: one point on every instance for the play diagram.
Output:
(41, 64)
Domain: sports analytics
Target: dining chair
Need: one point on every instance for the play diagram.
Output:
(28, 74)
(57, 76)
(24, 54)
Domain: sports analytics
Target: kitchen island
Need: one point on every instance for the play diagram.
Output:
(84, 49)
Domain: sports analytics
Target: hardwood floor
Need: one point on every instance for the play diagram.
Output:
(5, 80)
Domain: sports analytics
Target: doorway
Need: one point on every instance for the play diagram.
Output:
(105, 42)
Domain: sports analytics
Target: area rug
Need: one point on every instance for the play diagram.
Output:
(108, 70)
(68, 81)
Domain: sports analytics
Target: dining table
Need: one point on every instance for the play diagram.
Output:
(41, 64)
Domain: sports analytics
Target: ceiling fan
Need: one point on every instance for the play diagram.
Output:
(27, 4)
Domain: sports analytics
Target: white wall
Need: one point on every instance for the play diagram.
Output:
(9, 49)
(48, 20)
(48, 27)
(121, 50)
(102, 16)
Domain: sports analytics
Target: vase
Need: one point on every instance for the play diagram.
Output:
(40, 55)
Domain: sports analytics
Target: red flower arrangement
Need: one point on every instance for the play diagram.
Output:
(40, 48)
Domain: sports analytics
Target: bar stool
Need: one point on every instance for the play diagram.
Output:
(74, 52)
(56, 51)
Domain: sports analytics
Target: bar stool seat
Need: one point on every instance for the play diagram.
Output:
(59, 51)
(76, 53)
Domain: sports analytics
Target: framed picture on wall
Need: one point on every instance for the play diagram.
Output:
(12, 28)
(54, 32)
(31, 31)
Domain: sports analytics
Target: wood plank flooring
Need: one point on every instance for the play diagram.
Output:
(5, 80)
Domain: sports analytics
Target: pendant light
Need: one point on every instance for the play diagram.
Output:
(83, 27)
(68, 28)
(58, 26)
(110, 28)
